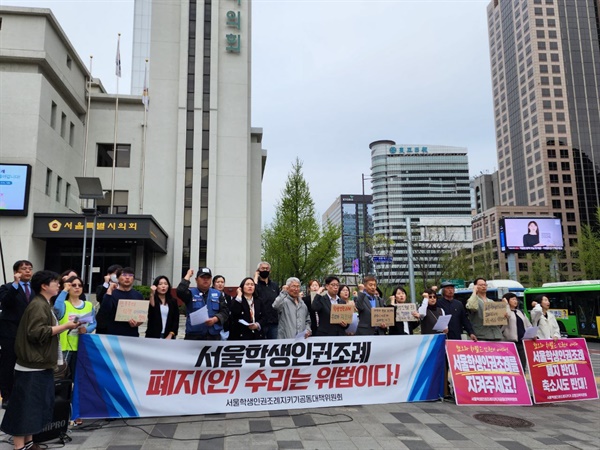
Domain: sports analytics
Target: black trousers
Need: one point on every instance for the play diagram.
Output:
(8, 359)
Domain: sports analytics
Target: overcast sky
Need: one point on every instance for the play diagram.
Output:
(330, 77)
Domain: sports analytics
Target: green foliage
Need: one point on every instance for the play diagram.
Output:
(142, 289)
(457, 265)
(294, 243)
(589, 250)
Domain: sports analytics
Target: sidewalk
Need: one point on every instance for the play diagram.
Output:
(417, 426)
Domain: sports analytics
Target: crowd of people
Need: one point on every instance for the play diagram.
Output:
(43, 314)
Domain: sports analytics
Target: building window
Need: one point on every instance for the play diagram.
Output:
(119, 205)
(553, 178)
(105, 155)
(570, 217)
(53, 109)
(63, 125)
(67, 194)
(72, 134)
(69, 61)
(523, 267)
(551, 153)
(565, 165)
(552, 165)
(555, 191)
(58, 186)
(566, 178)
(556, 204)
(572, 229)
(569, 204)
(48, 181)
(568, 191)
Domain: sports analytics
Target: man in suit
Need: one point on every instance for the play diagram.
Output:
(321, 305)
(364, 303)
(14, 298)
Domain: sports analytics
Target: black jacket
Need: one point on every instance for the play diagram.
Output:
(322, 306)
(363, 304)
(241, 310)
(12, 303)
(155, 319)
(267, 293)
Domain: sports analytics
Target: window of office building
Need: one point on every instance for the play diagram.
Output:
(58, 187)
(119, 204)
(67, 193)
(105, 155)
(48, 181)
(53, 113)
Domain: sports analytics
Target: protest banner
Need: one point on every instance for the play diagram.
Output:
(494, 313)
(382, 316)
(487, 373)
(561, 370)
(404, 312)
(121, 376)
(132, 309)
(341, 313)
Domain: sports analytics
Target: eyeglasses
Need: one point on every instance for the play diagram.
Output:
(127, 275)
(433, 296)
(76, 285)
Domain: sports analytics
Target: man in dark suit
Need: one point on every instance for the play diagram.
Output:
(364, 303)
(321, 305)
(14, 298)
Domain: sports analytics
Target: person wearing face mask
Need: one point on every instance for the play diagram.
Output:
(267, 291)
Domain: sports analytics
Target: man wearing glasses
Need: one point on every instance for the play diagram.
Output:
(122, 290)
(322, 306)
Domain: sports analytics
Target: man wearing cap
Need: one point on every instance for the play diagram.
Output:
(475, 307)
(198, 297)
(459, 320)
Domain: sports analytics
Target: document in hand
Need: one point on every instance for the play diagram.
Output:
(530, 333)
(442, 322)
(199, 317)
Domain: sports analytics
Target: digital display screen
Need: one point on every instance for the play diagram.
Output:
(14, 189)
(530, 234)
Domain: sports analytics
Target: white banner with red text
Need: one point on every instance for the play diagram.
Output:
(134, 377)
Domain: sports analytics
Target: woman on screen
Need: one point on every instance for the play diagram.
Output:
(532, 238)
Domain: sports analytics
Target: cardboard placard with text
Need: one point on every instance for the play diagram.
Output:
(494, 313)
(404, 312)
(132, 309)
(341, 313)
(382, 316)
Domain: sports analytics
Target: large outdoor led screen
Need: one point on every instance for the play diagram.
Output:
(530, 234)
(14, 189)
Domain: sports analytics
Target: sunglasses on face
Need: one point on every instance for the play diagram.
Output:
(76, 285)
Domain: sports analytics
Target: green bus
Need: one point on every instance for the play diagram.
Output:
(576, 306)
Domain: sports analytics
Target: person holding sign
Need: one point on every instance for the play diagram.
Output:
(542, 318)
(365, 302)
(246, 316)
(407, 319)
(430, 312)
(163, 312)
(517, 323)
(203, 296)
(322, 305)
(121, 290)
(476, 306)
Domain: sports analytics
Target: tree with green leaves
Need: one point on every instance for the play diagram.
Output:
(589, 249)
(294, 243)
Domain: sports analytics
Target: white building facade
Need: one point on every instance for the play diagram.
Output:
(187, 174)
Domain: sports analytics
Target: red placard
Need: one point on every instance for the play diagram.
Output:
(561, 370)
(487, 373)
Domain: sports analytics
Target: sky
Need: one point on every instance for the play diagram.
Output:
(330, 77)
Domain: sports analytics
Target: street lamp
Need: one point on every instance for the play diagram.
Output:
(90, 188)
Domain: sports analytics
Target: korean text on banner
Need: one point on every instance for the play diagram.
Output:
(487, 373)
(121, 376)
(560, 370)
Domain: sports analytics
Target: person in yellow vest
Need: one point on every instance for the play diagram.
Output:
(70, 307)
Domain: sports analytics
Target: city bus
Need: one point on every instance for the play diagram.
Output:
(576, 306)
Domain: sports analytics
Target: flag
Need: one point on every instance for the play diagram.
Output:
(118, 59)
(145, 98)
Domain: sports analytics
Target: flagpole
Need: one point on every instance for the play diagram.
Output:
(87, 121)
(114, 159)
(145, 101)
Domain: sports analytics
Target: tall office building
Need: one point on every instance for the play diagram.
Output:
(354, 214)
(428, 188)
(545, 62)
